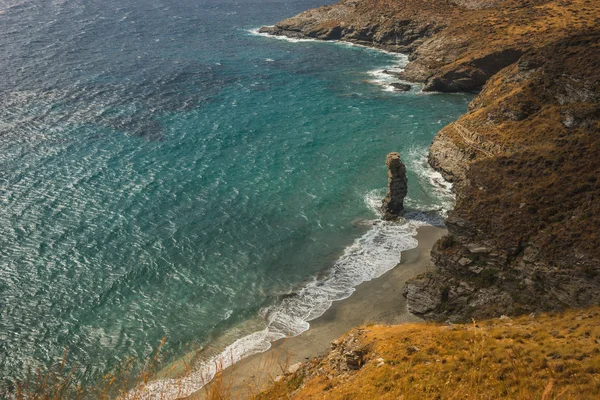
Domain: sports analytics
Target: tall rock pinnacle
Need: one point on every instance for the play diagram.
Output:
(393, 204)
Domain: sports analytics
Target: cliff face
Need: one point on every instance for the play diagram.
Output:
(525, 232)
(391, 25)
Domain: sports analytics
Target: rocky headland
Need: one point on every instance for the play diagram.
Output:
(525, 232)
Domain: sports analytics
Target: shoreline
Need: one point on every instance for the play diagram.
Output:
(384, 48)
(193, 375)
(383, 294)
(400, 66)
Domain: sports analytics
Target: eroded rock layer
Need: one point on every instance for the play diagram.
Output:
(454, 45)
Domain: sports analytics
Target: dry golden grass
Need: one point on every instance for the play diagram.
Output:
(544, 357)
(551, 356)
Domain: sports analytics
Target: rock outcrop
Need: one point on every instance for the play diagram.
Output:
(400, 87)
(393, 204)
(396, 26)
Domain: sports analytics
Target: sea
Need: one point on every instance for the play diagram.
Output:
(168, 172)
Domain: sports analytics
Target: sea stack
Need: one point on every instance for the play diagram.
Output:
(393, 204)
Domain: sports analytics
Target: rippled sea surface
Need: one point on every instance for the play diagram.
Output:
(164, 172)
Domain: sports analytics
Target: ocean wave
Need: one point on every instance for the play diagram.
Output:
(379, 76)
(437, 185)
(256, 32)
(384, 77)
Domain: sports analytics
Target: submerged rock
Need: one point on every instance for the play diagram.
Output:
(400, 87)
(393, 205)
(395, 74)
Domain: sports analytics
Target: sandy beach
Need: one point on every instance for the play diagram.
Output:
(378, 301)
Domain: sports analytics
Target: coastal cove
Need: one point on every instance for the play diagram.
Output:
(195, 182)
(519, 241)
(370, 199)
(483, 270)
(369, 266)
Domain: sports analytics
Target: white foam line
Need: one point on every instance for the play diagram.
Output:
(281, 37)
(381, 78)
(441, 188)
(255, 31)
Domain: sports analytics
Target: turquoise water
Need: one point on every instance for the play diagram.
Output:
(164, 172)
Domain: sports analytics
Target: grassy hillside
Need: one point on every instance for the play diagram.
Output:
(548, 356)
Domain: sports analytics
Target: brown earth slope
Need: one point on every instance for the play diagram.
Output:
(525, 159)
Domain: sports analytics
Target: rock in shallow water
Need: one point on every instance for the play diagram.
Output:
(400, 87)
(393, 205)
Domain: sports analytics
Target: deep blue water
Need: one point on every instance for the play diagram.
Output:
(166, 173)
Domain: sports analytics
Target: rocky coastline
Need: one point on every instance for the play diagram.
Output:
(524, 235)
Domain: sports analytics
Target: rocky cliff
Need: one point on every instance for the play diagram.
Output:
(454, 45)
(525, 232)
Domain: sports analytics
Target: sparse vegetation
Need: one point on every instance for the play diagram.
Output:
(543, 188)
(62, 381)
(446, 242)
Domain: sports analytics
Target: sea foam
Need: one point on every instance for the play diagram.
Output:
(255, 31)
(378, 77)
(287, 39)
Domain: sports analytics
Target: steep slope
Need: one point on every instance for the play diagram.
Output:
(392, 25)
(525, 233)
(454, 45)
